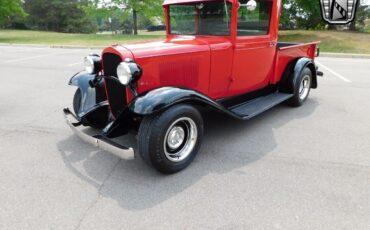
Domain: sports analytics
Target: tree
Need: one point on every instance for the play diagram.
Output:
(149, 8)
(363, 13)
(305, 14)
(59, 15)
(109, 16)
(10, 8)
(288, 15)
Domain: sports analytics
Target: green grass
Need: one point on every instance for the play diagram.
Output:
(52, 38)
(332, 41)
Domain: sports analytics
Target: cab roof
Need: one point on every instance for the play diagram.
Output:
(170, 2)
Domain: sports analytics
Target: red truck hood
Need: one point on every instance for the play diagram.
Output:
(170, 46)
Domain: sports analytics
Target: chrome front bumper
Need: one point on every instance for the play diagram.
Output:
(99, 141)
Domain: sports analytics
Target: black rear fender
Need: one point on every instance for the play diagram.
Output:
(292, 72)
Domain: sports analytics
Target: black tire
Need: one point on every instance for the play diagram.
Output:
(153, 142)
(77, 102)
(300, 96)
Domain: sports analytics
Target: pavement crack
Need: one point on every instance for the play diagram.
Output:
(28, 129)
(92, 205)
(4, 133)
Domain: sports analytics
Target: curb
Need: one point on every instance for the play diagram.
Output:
(333, 55)
(345, 55)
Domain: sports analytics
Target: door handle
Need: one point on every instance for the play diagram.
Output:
(272, 44)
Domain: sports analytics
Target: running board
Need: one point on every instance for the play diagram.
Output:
(259, 105)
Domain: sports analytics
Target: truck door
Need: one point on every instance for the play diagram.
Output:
(255, 47)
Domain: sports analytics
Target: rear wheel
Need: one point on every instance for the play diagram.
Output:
(302, 89)
(169, 141)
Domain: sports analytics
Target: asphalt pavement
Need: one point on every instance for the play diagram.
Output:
(301, 168)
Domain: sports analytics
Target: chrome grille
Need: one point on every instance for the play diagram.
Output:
(116, 92)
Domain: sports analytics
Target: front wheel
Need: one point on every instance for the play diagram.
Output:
(169, 141)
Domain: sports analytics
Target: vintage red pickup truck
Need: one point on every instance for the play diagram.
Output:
(222, 55)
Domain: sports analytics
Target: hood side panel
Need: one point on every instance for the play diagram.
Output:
(181, 70)
(182, 61)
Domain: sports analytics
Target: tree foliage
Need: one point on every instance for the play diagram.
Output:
(10, 8)
(149, 8)
(125, 15)
(307, 15)
(363, 13)
(59, 15)
(146, 8)
(85, 16)
(302, 13)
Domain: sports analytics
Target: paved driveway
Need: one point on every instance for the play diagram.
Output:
(304, 168)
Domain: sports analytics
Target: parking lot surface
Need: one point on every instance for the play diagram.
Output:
(301, 168)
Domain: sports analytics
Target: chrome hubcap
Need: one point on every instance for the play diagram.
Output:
(304, 87)
(180, 139)
(176, 137)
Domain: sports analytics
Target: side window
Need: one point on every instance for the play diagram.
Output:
(254, 22)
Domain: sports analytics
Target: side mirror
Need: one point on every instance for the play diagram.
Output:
(251, 5)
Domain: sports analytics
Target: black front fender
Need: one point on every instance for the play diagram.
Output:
(90, 96)
(94, 107)
(156, 101)
(163, 98)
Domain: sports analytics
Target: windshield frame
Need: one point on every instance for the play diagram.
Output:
(197, 18)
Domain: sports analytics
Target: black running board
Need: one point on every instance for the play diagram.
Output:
(259, 105)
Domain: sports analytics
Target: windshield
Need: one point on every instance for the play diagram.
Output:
(212, 18)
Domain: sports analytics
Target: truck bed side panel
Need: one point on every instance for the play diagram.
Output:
(287, 53)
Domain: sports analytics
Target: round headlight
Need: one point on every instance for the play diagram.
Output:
(124, 73)
(89, 64)
(92, 64)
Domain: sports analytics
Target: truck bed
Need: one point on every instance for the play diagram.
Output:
(287, 52)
